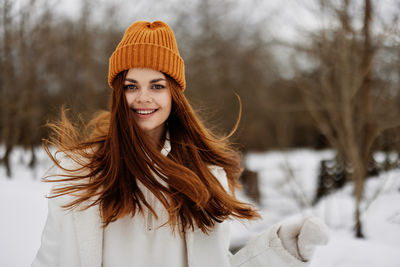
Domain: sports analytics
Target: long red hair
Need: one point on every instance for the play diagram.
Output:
(115, 154)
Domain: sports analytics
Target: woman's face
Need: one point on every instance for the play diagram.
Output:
(148, 95)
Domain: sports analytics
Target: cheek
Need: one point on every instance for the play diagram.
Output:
(129, 98)
(165, 101)
(168, 103)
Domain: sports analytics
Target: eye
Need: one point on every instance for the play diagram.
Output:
(158, 86)
(130, 87)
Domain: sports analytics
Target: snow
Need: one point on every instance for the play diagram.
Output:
(287, 183)
(345, 251)
(24, 208)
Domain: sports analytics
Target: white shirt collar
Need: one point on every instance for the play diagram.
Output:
(167, 145)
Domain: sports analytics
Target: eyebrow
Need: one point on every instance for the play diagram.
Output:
(152, 81)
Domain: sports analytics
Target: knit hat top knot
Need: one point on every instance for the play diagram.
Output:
(148, 45)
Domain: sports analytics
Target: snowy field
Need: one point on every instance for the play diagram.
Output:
(288, 184)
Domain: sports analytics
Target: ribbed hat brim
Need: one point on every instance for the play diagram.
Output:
(145, 55)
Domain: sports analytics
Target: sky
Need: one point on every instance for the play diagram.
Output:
(285, 14)
(286, 19)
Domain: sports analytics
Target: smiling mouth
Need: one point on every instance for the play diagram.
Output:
(145, 112)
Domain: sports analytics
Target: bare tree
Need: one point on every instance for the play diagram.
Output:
(349, 104)
(47, 61)
(8, 77)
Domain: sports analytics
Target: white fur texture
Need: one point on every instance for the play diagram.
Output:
(300, 236)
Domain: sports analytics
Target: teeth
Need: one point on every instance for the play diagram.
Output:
(145, 112)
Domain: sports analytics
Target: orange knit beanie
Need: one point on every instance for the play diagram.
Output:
(148, 45)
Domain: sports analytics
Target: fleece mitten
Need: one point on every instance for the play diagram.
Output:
(301, 236)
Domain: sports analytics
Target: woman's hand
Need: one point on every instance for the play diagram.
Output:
(301, 236)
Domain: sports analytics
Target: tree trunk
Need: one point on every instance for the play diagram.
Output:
(33, 160)
(6, 160)
(358, 192)
(359, 176)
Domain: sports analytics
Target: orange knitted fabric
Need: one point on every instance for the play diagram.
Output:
(148, 45)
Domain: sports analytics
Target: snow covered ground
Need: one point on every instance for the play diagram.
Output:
(288, 183)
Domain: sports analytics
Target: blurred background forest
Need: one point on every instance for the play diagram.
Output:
(326, 76)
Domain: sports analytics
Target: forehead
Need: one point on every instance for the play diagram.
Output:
(142, 74)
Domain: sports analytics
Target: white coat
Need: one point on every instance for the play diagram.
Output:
(75, 239)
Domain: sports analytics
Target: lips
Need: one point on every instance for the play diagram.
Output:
(144, 113)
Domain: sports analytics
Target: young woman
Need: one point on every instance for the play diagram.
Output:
(149, 185)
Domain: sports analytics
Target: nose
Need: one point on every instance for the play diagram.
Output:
(143, 96)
